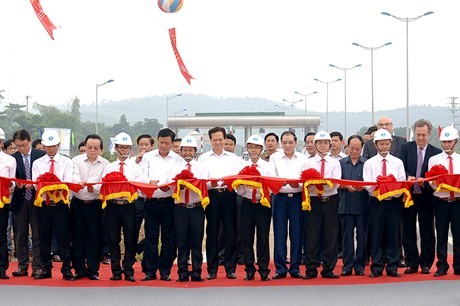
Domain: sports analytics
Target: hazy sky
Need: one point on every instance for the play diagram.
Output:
(257, 48)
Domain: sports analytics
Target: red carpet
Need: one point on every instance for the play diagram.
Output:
(221, 281)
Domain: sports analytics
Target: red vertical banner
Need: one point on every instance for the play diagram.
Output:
(180, 62)
(46, 22)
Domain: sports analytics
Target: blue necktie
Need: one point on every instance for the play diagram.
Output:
(28, 194)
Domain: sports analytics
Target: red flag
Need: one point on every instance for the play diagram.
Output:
(46, 22)
(180, 62)
(439, 131)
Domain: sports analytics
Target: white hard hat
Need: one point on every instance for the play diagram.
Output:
(50, 138)
(123, 139)
(322, 135)
(189, 141)
(255, 139)
(448, 133)
(2, 134)
(382, 134)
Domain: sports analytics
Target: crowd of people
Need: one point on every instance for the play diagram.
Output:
(345, 221)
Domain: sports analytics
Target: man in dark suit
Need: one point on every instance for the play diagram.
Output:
(415, 156)
(22, 205)
(386, 123)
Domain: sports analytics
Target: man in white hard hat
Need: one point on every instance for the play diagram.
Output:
(189, 219)
(322, 220)
(7, 169)
(447, 204)
(54, 216)
(121, 214)
(255, 218)
(384, 216)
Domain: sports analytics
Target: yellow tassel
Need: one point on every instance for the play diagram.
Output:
(204, 201)
(123, 194)
(408, 202)
(306, 204)
(56, 198)
(445, 187)
(263, 198)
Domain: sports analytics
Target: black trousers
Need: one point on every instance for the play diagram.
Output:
(222, 207)
(424, 211)
(4, 263)
(447, 213)
(322, 234)
(86, 220)
(354, 258)
(28, 214)
(54, 219)
(159, 219)
(255, 218)
(120, 217)
(189, 228)
(385, 232)
(140, 212)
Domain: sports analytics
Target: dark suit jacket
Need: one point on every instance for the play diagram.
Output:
(369, 149)
(408, 155)
(19, 193)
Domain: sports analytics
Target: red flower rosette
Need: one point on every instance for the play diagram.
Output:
(115, 185)
(388, 186)
(312, 177)
(188, 180)
(444, 181)
(254, 183)
(436, 170)
(54, 189)
(250, 170)
(184, 175)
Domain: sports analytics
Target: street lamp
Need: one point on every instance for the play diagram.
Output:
(372, 70)
(305, 98)
(167, 106)
(283, 107)
(292, 104)
(327, 99)
(178, 112)
(407, 20)
(345, 91)
(97, 96)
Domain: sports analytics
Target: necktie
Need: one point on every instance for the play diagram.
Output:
(254, 191)
(384, 167)
(52, 165)
(323, 165)
(187, 191)
(121, 167)
(28, 194)
(417, 188)
(451, 171)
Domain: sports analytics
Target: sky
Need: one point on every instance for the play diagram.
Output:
(233, 48)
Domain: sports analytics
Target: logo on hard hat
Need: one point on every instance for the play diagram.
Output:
(189, 140)
(125, 138)
(446, 134)
(50, 138)
(322, 135)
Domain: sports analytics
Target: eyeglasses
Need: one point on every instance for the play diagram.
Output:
(124, 147)
(385, 124)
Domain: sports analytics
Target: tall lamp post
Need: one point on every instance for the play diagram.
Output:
(178, 112)
(97, 97)
(167, 106)
(345, 91)
(407, 20)
(292, 104)
(282, 107)
(305, 98)
(372, 71)
(327, 99)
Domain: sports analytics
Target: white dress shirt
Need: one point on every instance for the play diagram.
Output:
(197, 173)
(8, 169)
(265, 170)
(161, 169)
(90, 172)
(332, 169)
(374, 165)
(288, 168)
(442, 159)
(218, 166)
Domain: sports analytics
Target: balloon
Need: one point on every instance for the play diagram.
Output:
(170, 6)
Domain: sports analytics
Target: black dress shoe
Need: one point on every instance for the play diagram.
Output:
(375, 275)
(240, 262)
(311, 275)
(20, 272)
(68, 277)
(182, 279)
(105, 260)
(115, 277)
(330, 275)
(35, 272)
(93, 277)
(340, 255)
(411, 270)
(425, 270)
(440, 273)
(345, 273)
(80, 276)
(197, 279)
(149, 277)
(3, 275)
(165, 278)
(43, 275)
(264, 278)
(130, 278)
(456, 272)
(401, 264)
(212, 276)
(231, 275)
(279, 276)
(359, 273)
(393, 274)
(296, 275)
(249, 277)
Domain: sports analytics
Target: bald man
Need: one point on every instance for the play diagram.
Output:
(386, 123)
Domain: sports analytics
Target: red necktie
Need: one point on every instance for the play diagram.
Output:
(254, 190)
(384, 167)
(121, 167)
(451, 171)
(52, 165)
(187, 191)
(323, 165)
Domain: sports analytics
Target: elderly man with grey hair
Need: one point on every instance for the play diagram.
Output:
(386, 123)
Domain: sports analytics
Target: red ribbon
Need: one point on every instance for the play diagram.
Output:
(46, 22)
(180, 62)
